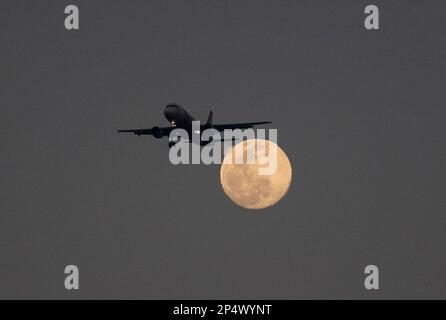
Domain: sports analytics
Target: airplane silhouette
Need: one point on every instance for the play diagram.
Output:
(180, 118)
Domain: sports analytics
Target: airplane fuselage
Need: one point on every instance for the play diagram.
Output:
(178, 117)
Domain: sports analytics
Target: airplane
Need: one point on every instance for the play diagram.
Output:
(180, 118)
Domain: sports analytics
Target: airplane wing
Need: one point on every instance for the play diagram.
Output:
(246, 125)
(155, 131)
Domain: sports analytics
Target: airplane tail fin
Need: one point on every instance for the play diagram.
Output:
(210, 119)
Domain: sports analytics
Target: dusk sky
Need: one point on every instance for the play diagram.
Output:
(360, 114)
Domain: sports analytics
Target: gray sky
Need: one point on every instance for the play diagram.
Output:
(359, 113)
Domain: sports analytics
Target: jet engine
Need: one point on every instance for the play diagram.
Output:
(157, 132)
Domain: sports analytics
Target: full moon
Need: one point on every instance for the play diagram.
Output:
(243, 184)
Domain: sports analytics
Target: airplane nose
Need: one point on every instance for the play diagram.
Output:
(170, 112)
